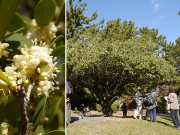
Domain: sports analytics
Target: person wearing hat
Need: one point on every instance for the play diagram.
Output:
(139, 101)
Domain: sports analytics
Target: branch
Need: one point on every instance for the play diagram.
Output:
(23, 104)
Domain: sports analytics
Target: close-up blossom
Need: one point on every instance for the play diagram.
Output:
(46, 33)
(34, 66)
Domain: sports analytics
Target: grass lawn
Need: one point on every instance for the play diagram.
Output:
(125, 126)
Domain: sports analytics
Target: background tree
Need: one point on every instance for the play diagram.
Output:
(76, 20)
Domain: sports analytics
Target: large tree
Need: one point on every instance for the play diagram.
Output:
(108, 60)
(108, 67)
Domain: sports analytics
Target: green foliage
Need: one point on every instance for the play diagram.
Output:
(44, 12)
(52, 109)
(111, 60)
(17, 23)
(95, 106)
(161, 107)
(114, 108)
(77, 21)
(75, 109)
(40, 129)
(38, 113)
(7, 8)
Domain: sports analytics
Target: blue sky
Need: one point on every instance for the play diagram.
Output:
(159, 14)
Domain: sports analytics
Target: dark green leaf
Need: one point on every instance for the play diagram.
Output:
(2, 115)
(44, 12)
(52, 109)
(7, 11)
(9, 107)
(38, 113)
(56, 132)
(17, 23)
(58, 51)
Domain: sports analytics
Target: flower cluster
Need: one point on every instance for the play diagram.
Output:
(8, 129)
(46, 33)
(34, 67)
(3, 51)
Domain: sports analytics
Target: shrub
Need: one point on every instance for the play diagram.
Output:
(161, 107)
(75, 109)
(95, 106)
(114, 108)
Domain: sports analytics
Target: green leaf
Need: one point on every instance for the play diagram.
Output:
(7, 11)
(1, 2)
(61, 14)
(18, 40)
(62, 69)
(52, 109)
(17, 23)
(28, 24)
(9, 35)
(59, 37)
(58, 51)
(9, 107)
(38, 112)
(56, 132)
(40, 129)
(1, 129)
(44, 12)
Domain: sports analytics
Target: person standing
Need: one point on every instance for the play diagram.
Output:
(124, 109)
(69, 89)
(139, 101)
(174, 107)
(152, 108)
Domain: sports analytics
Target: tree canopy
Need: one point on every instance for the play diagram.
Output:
(113, 58)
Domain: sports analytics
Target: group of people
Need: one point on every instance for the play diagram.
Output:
(141, 103)
(172, 100)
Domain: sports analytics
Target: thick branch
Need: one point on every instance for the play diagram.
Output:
(22, 102)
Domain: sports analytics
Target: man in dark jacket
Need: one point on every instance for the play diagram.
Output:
(152, 108)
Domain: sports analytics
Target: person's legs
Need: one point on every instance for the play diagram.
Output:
(140, 112)
(151, 115)
(173, 117)
(136, 113)
(177, 117)
(154, 114)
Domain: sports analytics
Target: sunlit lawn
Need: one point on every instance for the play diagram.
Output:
(125, 126)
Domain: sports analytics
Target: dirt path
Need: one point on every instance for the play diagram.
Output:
(98, 117)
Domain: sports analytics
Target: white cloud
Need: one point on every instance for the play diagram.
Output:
(156, 6)
(158, 19)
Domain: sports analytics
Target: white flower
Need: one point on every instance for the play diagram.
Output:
(46, 33)
(34, 65)
(3, 51)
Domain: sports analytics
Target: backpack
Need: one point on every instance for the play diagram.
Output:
(148, 100)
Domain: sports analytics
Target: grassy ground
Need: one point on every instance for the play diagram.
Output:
(125, 126)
